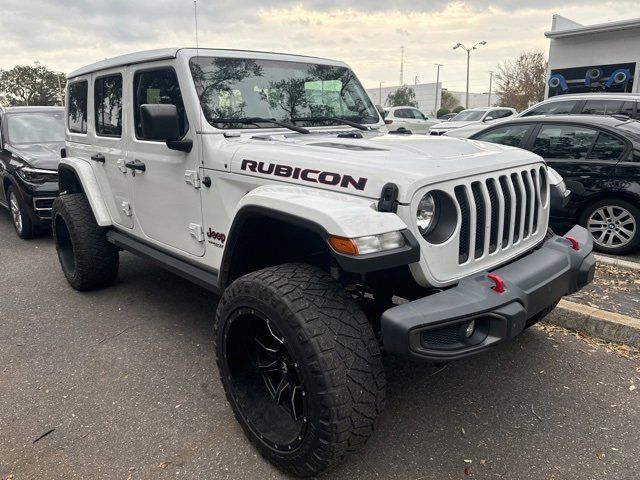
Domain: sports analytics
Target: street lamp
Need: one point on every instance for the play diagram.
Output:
(380, 94)
(435, 110)
(490, 82)
(468, 50)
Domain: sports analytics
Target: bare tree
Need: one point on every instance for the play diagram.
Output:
(521, 81)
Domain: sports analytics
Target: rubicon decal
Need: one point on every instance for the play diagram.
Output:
(305, 174)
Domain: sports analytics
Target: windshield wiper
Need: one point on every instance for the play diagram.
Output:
(357, 125)
(258, 120)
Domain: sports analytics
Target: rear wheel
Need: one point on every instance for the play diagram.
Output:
(300, 366)
(19, 214)
(88, 260)
(614, 225)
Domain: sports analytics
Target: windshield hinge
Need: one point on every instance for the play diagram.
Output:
(192, 177)
(126, 208)
(196, 232)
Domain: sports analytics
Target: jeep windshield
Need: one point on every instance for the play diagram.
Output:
(306, 94)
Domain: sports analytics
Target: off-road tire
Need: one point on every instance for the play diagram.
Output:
(633, 210)
(88, 260)
(337, 355)
(27, 231)
(540, 315)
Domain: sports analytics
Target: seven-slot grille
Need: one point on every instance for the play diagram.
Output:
(499, 212)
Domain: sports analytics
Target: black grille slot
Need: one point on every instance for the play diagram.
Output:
(507, 210)
(495, 214)
(465, 224)
(517, 206)
(481, 218)
(527, 207)
(536, 200)
(442, 336)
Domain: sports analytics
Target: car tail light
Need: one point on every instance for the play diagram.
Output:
(388, 122)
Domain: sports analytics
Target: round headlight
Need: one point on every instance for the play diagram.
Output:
(426, 214)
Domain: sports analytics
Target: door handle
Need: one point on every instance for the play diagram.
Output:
(98, 157)
(135, 165)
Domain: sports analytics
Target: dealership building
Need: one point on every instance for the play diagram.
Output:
(593, 58)
(426, 96)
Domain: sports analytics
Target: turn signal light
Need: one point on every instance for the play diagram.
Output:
(343, 245)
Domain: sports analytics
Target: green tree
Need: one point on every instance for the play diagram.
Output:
(31, 85)
(403, 96)
(442, 111)
(448, 100)
(458, 109)
(521, 82)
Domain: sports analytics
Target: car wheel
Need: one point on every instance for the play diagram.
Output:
(88, 260)
(19, 214)
(614, 225)
(300, 366)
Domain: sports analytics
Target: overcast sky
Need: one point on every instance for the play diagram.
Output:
(367, 34)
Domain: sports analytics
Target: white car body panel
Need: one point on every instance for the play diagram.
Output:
(446, 127)
(414, 125)
(335, 182)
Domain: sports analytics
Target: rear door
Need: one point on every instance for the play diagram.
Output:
(109, 145)
(166, 196)
(584, 156)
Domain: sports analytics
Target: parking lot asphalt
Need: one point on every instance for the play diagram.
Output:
(127, 379)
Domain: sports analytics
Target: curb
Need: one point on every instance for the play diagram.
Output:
(618, 262)
(613, 327)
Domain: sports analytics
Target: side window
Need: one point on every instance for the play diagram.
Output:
(564, 141)
(505, 113)
(606, 147)
(606, 107)
(511, 135)
(108, 105)
(77, 106)
(402, 113)
(634, 156)
(417, 114)
(157, 86)
(553, 108)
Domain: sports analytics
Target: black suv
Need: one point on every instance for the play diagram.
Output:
(599, 159)
(31, 139)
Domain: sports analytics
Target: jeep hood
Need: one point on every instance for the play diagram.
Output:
(363, 166)
(38, 155)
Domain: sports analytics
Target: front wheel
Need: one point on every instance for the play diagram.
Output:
(19, 215)
(614, 225)
(300, 366)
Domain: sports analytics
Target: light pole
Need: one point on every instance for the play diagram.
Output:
(468, 50)
(435, 111)
(380, 93)
(490, 82)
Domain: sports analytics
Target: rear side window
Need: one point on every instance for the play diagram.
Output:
(607, 147)
(511, 135)
(608, 107)
(553, 108)
(403, 113)
(158, 86)
(77, 106)
(564, 141)
(108, 105)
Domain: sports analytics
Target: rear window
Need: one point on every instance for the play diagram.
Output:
(608, 107)
(553, 108)
(77, 106)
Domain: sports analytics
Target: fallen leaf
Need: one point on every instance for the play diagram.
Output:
(164, 464)
(632, 388)
(468, 461)
(467, 472)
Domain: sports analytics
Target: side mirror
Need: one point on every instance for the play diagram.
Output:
(486, 119)
(160, 121)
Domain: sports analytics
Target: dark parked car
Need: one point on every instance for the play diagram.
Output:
(599, 159)
(30, 142)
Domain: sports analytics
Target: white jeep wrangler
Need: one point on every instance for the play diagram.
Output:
(270, 179)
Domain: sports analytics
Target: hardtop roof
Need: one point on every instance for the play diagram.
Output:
(169, 53)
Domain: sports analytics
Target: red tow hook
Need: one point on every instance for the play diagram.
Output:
(574, 243)
(497, 280)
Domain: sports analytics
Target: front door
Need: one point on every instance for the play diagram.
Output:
(166, 206)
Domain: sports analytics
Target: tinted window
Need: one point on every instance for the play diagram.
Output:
(553, 108)
(607, 107)
(469, 116)
(502, 114)
(607, 148)
(403, 113)
(158, 86)
(77, 106)
(634, 156)
(108, 105)
(417, 114)
(564, 141)
(511, 135)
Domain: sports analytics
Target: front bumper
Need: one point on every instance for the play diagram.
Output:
(433, 328)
